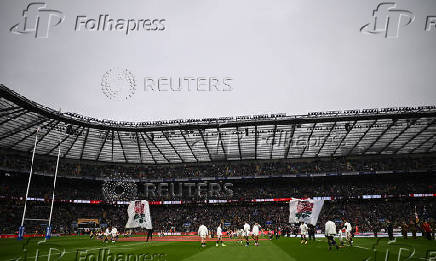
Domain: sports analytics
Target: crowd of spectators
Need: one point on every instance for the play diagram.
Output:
(412, 174)
(13, 185)
(44, 164)
(367, 215)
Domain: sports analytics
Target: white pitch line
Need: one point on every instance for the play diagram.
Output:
(362, 247)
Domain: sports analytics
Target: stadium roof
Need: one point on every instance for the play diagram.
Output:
(320, 134)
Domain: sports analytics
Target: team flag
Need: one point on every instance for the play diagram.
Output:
(304, 210)
(139, 215)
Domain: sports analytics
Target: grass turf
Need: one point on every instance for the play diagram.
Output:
(82, 248)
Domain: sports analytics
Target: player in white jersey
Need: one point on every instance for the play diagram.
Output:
(107, 234)
(240, 235)
(255, 233)
(342, 236)
(246, 233)
(114, 234)
(303, 232)
(330, 232)
(202, 232)
(348, 234)
(219, 234)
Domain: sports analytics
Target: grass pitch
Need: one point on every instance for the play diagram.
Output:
(83, 249)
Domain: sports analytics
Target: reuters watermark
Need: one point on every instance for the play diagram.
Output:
(120, 187)
(188, 189)
(188, 84)
(121, 84)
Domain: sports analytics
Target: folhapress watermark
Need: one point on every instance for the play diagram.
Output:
(105, 254)
(38, 20)
(32, 249)
(386, 250)
(106, 23)
(388, 19)
(50, 252)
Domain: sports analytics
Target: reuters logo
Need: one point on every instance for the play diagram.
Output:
(119, 186)
(118, 84)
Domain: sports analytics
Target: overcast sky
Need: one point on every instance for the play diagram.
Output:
(280, 56)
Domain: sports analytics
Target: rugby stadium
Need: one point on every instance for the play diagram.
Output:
(217, 130)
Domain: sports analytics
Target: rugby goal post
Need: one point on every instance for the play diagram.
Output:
(21, 229)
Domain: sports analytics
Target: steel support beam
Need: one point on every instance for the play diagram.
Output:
(122, 147)
(205, 144)
(154, 144)
(189, 146)
(149, 150)
(172, 146)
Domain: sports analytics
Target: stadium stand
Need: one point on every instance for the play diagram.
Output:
(369, 166)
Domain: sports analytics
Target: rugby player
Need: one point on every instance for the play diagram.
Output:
(219, 234)
(203, 232)
(107, 233)
(348, 234)
(114, 234)
(246, 233)
(240, 235)
(330, 232)
(255, 233)
(303, 232)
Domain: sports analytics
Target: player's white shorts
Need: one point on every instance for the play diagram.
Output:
(255, 233)
(347, 234)
(304, 233)
(246, 233)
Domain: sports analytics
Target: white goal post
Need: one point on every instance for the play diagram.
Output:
(21, 229)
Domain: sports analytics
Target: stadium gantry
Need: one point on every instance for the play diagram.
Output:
(405, 130)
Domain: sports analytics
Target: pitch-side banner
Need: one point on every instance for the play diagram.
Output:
(139, 215)
(304, 210)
